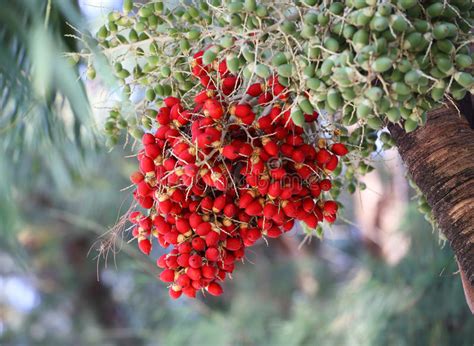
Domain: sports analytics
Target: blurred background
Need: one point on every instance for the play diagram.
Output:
(381, 275)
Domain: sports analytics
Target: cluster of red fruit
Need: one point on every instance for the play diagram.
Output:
(219, 175)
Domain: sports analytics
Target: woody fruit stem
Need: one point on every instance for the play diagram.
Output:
(440, 159)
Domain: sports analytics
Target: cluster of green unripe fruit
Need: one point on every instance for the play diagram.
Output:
(363, 62)
(389, 60)
(372, 61)
(113, 127)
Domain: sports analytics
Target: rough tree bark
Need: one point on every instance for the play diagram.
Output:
(440, 159)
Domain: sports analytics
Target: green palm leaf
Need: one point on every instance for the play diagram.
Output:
(41, 98)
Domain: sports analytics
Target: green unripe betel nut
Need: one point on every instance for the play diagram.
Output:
(382, 64)
(233, 64)
(297, 116)
(313, 83)
(194, 34)
(401, 88)
(127, 6)
(250, 5)
(334, 99)
(463, 61)
(150, 94)
(374, 123)
(286, 70)
(262, 71)
(136, 133)
(374, 93)
(305, 105)
(208, 57)
(364, 109)
(410, 125)
(464, 79)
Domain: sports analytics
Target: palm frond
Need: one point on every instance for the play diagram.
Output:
(45, 119)
(41, 98)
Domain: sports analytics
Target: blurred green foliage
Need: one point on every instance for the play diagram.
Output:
(37, 81)
(46, 125)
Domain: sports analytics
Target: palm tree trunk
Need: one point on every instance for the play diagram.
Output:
(440, 159)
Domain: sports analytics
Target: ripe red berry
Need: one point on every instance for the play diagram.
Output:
(245, 149)
(308, 205)
(230, 152)
(145, 246)
(148, 138)
(242, 110)
(212, 238)
(212, 254)
(203, 96)
(311, 220)
(160, 262)
(213, 108)
(167, 275)
(195, 261)
(215, 289)
(182, 225)
(183, 260)
(170, 101)
(203, 228)
(199, 244)
(311, 117)
(222, 67)
(266, 123)
(339, 149)
(270, 147)
(185, 248)
(255, 89)
(254, 208)
(265, 98)
(229, 84)
(274, 232)
(207, 203)
(330, 218)
(219, 203)
(175, 294)
(325, 185)
(332, 164)
(248, 120)
(189, 291)
(147, 165)
(287, 226)
(298, 156)
(245, 199)
(274, 190)
(278, 173)
(146, 202)
(330, 207)
(183, 281)
(323, 156)
(254, 234)
(208, 271)
(145, 223)
(135, 217)
(194, 273)
(233, 244)
(136, 177)
(230, 210)
(269, 210)
(163, 116)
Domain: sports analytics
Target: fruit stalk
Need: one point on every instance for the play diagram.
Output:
(440, 160)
